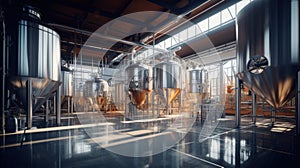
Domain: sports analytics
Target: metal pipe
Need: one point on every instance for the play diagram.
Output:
(238, 102)
(147, 101)
(295, 51)
(298, 106)
(29, 103)
(254, 107)
(88, 33)
(73, 74)
(54, 104)
(3, 74)
(222, 87)
(68, 106)
(93, 47)
(58, 105)
(153, 94)
(273, 115)
(71, 105)
(167, 100)
(127, 108)
(47, 112)
(164, 30)
(132, 54)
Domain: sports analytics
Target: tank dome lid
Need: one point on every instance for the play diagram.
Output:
(31, 12)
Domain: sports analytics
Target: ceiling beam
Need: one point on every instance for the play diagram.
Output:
(125, 7)
(92, 10)
(90, 2)
(163, 4)
(192, 5)
(87, 8)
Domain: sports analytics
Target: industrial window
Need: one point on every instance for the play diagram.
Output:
(214, 20)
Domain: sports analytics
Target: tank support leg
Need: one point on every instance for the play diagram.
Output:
(222, 99)
(298, 106)
(72, 110)
(58, 106)
(47, 111)
(69, 104)
(238, 102)
(167, 100)
(54, 104)
(254, 108)
(29, 104)
(2, 83)
(273, 115)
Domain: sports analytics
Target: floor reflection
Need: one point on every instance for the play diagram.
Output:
(249, 146)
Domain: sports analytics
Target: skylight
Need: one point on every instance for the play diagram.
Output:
(213, 22)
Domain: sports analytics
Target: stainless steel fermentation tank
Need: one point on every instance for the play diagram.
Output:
(96, 87)
(138, 77)
(96, 92)
(197, 78)
(67, 86)
(167, 79)
(33, 54)
(67, 89)
(118, 89)
(268, 49)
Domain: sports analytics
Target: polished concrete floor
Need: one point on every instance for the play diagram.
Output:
(263, 145)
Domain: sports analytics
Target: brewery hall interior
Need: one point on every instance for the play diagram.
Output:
(149, 83)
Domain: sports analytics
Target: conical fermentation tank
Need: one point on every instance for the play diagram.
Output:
(102, 87)
(167, 79)
(138, 78)
(119, 92)
(197, 79)
(33, 54)
(268, 49)
(96, 93)
(95, 87)
(67, 79)
(67, 89)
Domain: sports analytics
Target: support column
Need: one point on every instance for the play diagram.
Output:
(126, 106)
(54, 104)
(47, 111)
(298, 106)
(2, 83)
(72, 110)
(273, 115)
(2, 107)
(222, 92)
(238, 102)
(167, 100)
(254, 107)
(29, 104)
(147, 100)
(58, 105)
(68, 106)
